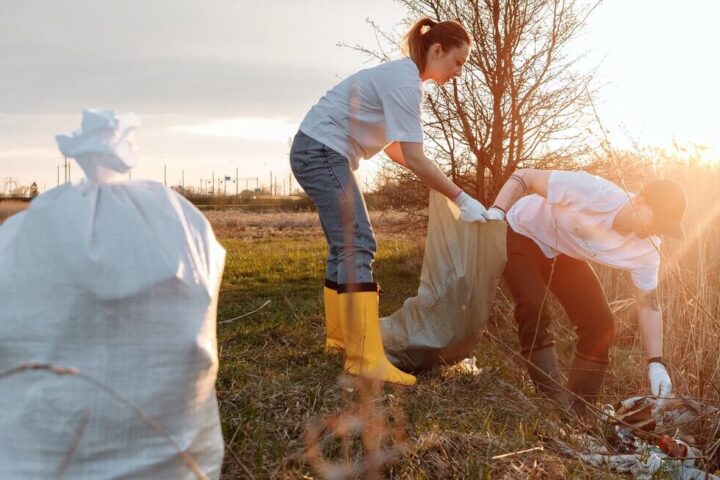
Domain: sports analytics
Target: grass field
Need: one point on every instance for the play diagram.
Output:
(288, 411)
(276, 382)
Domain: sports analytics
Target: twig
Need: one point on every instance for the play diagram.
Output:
(598, 413)
(517, 452)
(238, 461)
(232, 439)
(246, 314)
(153, 424)
(73, 447)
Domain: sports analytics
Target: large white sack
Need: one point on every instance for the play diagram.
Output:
(461, 269)
(121, 282)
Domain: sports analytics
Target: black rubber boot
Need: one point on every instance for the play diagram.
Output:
(585, 378)
(544, 372)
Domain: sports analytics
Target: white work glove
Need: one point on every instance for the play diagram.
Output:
(470, 209)
(495, 213)
(660, 384)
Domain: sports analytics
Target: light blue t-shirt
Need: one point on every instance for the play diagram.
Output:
(369, 110)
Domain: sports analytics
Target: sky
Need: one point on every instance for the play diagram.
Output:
(221, 86)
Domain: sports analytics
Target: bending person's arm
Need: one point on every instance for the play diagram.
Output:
(650, 324)
(412, 156)
(525, 181)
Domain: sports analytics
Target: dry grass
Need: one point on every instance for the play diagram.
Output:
(276, 381)
(285, 415)
(10, 208)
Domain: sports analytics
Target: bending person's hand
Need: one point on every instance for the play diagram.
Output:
(660, 384)
(470, 209)
(494, 213)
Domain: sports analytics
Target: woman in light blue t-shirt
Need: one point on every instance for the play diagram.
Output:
(374, 109)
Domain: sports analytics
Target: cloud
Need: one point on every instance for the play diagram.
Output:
(161, 85)
(173, 56)
(27, 152)
(258, 129)
(215, 83)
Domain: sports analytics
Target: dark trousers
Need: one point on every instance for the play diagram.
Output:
(529, 273)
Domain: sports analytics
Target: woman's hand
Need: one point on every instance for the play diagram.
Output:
(470, 209)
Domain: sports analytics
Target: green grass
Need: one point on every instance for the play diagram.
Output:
(276, 380)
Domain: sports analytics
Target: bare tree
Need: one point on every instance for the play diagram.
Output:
(521, 101)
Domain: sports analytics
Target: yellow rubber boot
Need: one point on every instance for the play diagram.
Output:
(334, 340)
(364, 352)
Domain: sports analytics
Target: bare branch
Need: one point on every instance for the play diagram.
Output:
(520, 102)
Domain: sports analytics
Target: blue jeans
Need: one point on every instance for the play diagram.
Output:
(326, 177)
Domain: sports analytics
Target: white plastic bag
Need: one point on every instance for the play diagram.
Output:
(119, 281)
(462, 267)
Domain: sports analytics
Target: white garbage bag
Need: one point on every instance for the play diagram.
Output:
(461, 270)
(120, 281)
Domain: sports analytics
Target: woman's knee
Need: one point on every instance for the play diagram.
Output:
(357, 254)
(370, 243)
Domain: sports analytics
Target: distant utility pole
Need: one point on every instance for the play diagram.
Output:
(58, 175)
(213, 183)
(165, 174)
(237, 182)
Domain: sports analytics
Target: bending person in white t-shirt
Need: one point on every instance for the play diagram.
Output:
(374, 109)
(558, 221)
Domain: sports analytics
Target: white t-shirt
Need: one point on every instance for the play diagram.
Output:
(368, 110)
(576, 220)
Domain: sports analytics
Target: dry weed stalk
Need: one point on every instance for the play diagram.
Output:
(153, 424)
(380, 429)
(67, 460)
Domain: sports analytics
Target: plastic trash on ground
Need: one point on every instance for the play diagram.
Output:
(646, 438)
(465, 367)
(118, 282)
(462, 267)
